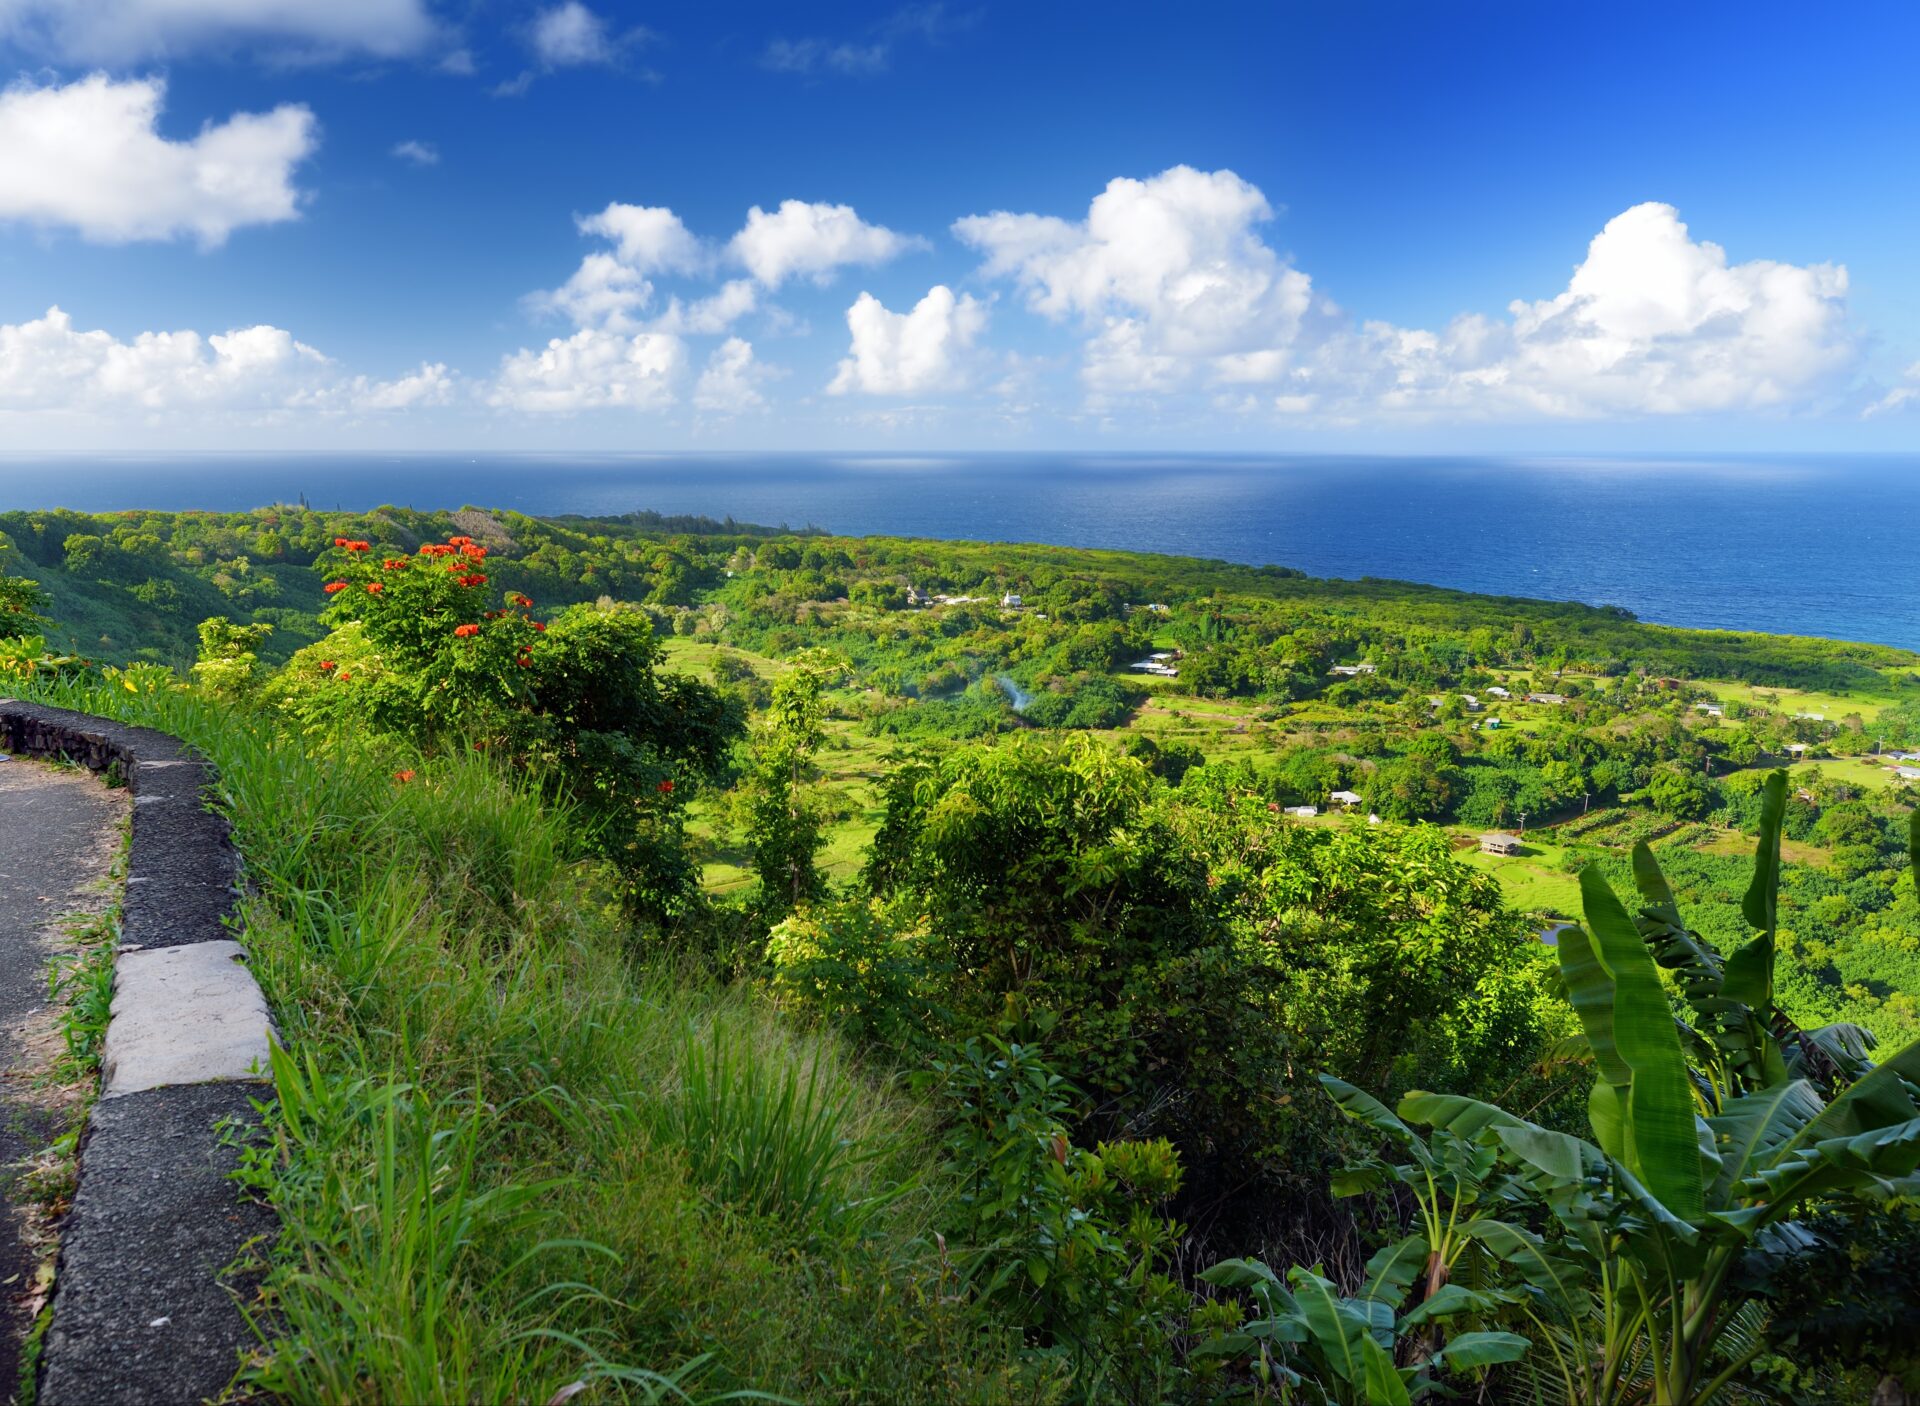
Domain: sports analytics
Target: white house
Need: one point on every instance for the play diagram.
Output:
(1010, 601)
(1709, 710)
(1498, 692)
(1303, 812)
(1349, 799)
(1350, 670)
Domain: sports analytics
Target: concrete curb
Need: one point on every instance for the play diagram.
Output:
(139, 1313)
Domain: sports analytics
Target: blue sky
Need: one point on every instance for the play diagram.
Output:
(471, 223)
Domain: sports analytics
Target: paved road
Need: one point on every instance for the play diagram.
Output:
(58, 837)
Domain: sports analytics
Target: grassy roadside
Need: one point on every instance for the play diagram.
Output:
(512, 1153)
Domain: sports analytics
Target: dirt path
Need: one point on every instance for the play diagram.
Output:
(60, 830)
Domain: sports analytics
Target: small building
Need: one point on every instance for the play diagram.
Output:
(1351, 670)
(1473, 704)
(1796, 749)
(1907, 773)
(1347, 799)
(1499, 842)
(1498, 692)
(1011, 601)
(1303, 812)
(1549, 698)
(1709, 710)
(1490, 724)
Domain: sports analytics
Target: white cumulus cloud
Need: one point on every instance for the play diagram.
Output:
(1652, 322)
(132, 31)
(1168, 273)
(432, 384)
(910, 353)
(1174, 290)
(50, 368)
(88, 156)
(812, 240)
(1901, 396)
(603, 292)
(650, 238)
(730, 384)
(417, 153)
(712, 314)
(595, 369)
(569, 35)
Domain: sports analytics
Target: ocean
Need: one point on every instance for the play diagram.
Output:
(1818, 545)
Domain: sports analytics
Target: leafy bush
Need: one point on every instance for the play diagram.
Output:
(578, 700)
(1198, 952)
(853, 964)
(1070, 1240)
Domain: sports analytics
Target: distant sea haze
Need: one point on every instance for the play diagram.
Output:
(1818, 545)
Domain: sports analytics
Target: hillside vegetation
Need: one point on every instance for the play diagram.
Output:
(715, 959)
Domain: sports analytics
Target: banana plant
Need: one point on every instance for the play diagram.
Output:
(1325, 1347)
(1709, 1134)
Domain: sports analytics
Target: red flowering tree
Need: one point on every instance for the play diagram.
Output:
(425, 644)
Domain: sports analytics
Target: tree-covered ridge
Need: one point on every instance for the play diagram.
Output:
(133, 577)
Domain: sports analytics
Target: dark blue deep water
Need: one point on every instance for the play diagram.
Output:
(1822, 545)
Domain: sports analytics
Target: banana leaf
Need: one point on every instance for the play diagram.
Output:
(1656, 1119)
(1337, 1328)
(1480, 1350)
(1883, 1097)
(1392, 1270)
(1752, 1130)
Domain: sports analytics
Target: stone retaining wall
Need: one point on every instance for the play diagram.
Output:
(140, 1313)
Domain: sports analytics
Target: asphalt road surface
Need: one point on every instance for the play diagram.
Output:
(58, 836)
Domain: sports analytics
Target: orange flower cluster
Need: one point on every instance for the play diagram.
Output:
(436, 549)
(666, 788)
(403, 776)
(335, 587)
(351, 545)
(515, 598)
(374, 588)
(327, 666)
(462, 632)
(395, 564)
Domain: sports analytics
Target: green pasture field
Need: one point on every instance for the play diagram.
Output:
(1831, 706)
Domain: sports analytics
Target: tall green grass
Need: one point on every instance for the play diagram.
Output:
(513, 1153)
